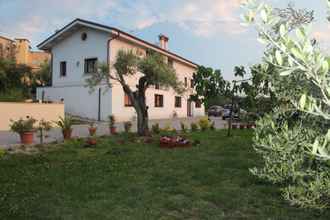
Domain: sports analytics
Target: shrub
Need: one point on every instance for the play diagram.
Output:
(112, 121)
(212, 126)
(167, 128)
(183, 127)
(20, 126)
(193, 127)
(2, 153)
(155, 128)
(204, 123)
(128, 126)
(294, 140)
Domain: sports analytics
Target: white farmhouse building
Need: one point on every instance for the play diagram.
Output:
(75, 50)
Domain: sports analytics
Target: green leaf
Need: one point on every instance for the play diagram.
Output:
(286, 73)
(279, 58)
(300, 32)
(325, 66)
(264, 15)
(302, 102)
(283, 30)
(297, 53)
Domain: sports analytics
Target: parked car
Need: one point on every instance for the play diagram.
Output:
(215, 111)
(226, 114)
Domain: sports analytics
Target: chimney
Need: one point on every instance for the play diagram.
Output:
(163, 41)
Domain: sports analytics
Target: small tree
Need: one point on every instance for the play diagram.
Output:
(209, 84)
(150, 70)
(294, 140)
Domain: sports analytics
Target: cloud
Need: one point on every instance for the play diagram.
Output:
(202, 17)
(36, 19)
(33, 18)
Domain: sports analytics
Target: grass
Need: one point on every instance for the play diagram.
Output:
(124, 180)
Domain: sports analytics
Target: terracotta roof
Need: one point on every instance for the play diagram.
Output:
(6, 38)
(81, 21)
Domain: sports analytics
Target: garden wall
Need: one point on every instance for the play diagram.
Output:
(14, 110)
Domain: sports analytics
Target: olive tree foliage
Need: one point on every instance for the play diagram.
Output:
(148, 70)
(294, 140)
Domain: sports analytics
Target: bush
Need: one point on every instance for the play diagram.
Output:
(204, 123)
(2, 153)
(155, 128)
(212, 126)
(128, 126)
(183, 127)
(112, 121)
(193, 127)
(13, 95)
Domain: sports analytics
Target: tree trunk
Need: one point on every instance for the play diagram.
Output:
(142, 116)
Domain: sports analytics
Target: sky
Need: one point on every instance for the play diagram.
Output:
(207, 32)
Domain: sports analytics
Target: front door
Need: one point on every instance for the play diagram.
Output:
(189, 111)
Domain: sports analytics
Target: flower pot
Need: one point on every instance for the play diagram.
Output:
(92, 131)
(113, 130)
(91, 142)
(249, 126)
(27, 137)
(241, 126)
(67, 134)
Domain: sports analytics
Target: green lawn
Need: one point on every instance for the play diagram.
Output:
(141, 181)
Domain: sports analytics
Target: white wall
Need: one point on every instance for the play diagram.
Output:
(74, 51)
(16, 110)
(78, 101)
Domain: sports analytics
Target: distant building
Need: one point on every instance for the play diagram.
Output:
(20, 51)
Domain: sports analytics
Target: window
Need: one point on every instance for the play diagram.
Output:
(198, 104)
(192, 83)
(159, 100)
(63, 69)
(127, 101)
(178, 103)
(186, 82)
(90, 65)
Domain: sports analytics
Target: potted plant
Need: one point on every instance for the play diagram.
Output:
(66, 125)
(92, 129)
(128, 126)
(43, 128)
(25, 129)
(112, 122)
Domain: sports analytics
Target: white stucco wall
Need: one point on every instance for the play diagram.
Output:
(74, 51)
(78, 101)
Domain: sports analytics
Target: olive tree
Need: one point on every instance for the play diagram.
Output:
(294, 140)
(150, 70)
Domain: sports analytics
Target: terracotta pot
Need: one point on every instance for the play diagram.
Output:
(91, 142)
(27, 137)
(92, 131)
(67, 134)
(241, 126)
(249, 126)
(113, 130)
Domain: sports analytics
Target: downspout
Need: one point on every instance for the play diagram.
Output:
(108, 63)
